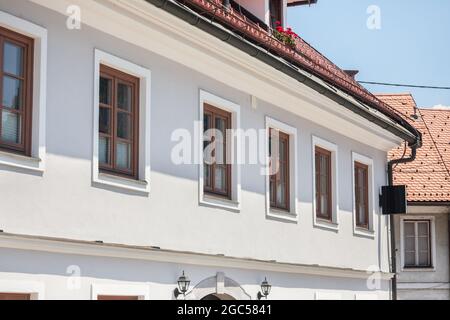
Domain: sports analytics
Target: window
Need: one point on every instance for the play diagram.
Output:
(16, 74)
(14, 296)
(362, 195)
(279, 169)
(276, 12)
(217, 169)
(417, 244)
(219, 178)
(118, 122)
(324, 190)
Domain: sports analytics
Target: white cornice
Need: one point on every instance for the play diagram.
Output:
(85, 248)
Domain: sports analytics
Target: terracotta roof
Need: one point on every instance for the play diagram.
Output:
(428, 177)
(303, 55)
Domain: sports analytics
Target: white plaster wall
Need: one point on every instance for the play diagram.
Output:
(160, 278)
(63, 203)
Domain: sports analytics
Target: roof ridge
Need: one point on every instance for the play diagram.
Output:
(394, 94)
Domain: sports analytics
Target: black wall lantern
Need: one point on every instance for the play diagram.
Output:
(265, 290)
(183, 285)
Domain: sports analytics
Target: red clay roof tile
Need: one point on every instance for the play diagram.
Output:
(428, 177)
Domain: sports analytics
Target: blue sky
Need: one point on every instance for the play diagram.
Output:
(412, 46)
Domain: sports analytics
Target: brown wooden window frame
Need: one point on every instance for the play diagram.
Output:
(275, 178)
(209, 188)
(323, 152)
(366, 168)
(27, 44)
(118, 77)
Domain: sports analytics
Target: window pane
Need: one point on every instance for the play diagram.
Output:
(324, 205)
(272, 193)
(221, 128)
(409, 229)
(323, 184)
(13, 59)
(410, 259)
(123, 156)
(220, 179)
(206, 122)
(220, 152)
(424, 259)
(105, 120)
(207, 175)
(105, 91)
(281, 194)
(423, 243)
(362, 214)
(124, 126)
(12, 89)
(410, 244)
(124, 97)
(103, 152)
(423, 229)
(11, 127)
(283, 150)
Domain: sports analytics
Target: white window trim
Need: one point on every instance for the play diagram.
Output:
(130, 290)
(291, 216)
(234, 147)
(141, 185)
(356, 157)
(36, 162)
(432, 220)
(333, 148)
(35, 289)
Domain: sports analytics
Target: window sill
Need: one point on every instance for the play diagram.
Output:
(282, 215)
(21, 162)
(431, 269)
(221, 203)
(364, 232)
(123, 183)
(326, 224)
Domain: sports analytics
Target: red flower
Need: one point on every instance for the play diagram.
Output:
(278, 23)
(280, 29)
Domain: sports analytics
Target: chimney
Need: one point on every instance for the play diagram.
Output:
(352, 73)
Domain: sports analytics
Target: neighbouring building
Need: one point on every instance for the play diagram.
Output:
(105, 192)
(422, 236)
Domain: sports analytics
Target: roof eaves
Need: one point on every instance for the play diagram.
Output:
(398, 127)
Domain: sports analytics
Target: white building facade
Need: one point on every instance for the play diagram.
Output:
(72, 231)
